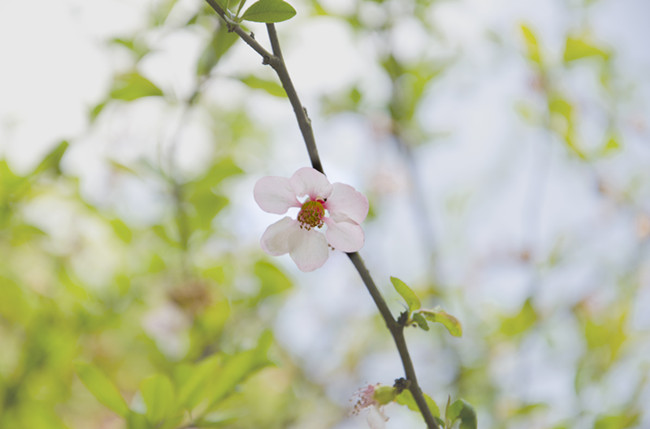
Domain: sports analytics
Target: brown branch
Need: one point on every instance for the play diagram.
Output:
(301, 113)
(397, 331)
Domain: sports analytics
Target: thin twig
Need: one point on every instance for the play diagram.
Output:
(233, 26)
(301, 113)
(276, 61)
(397, 331)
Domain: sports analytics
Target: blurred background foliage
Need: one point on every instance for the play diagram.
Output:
(130, 297)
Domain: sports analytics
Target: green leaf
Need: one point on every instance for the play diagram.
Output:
(237, 368)
(158, 395)
(450, 322)
(532, 47)
(406, 398)
(52, 161)
(269, 11)
(421, 321)
(578, 48)
(96, 110)
(201, 193)
(24, 233)
(102, 388)
(195, 379)
(131, 86)
(462, 410)
(409, 296)
(271, 87)
(563, 123)
(121, 168)
(272, 279)
(520, 322)
(137, 421)
(206, 206)
(15, 307)
(561, 106)
(620, 421)
(136, 46)
(222, 40)
(218, 171)
(121, 230)
(612, 144)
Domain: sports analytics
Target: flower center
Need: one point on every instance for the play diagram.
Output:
(311, 214)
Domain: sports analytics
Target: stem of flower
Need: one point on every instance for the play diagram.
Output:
(301, 113)
(276, 61)
(397, 331)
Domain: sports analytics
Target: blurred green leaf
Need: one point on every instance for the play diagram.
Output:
(271, 87)
(521, 322)
(201, 193)
(8, 180)
(222, 40)
(609, 334)
(528, 112)
(137, 421)
(221, 169)
(561, 106)
(193, 380)
(612, 144)
(158, 395)
(96, 110)
(463, 411)
(272, 279)
(620, 421)
(348, 101)
(119, 167)
(24, 233)
(237, 368)
(448, 321)
(135, 46)
(14, 305)
(206, 207)
(121, 230)
(131, 86)
(526, 409)
(563, 122)
(102, 388)
(52, 161)
(405, 292)
(269, 11)
(579, 48)
(533, 51)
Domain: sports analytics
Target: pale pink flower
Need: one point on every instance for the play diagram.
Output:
(329, 216)
(367, 400)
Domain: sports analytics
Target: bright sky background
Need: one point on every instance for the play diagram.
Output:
(54, 66)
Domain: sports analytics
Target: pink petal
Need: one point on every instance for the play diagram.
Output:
(308, 249)
(346, 201)
(275, 240)
(275, 194)
(308, 181)
(344, 236)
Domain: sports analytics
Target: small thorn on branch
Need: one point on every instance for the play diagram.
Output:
(304, 109)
